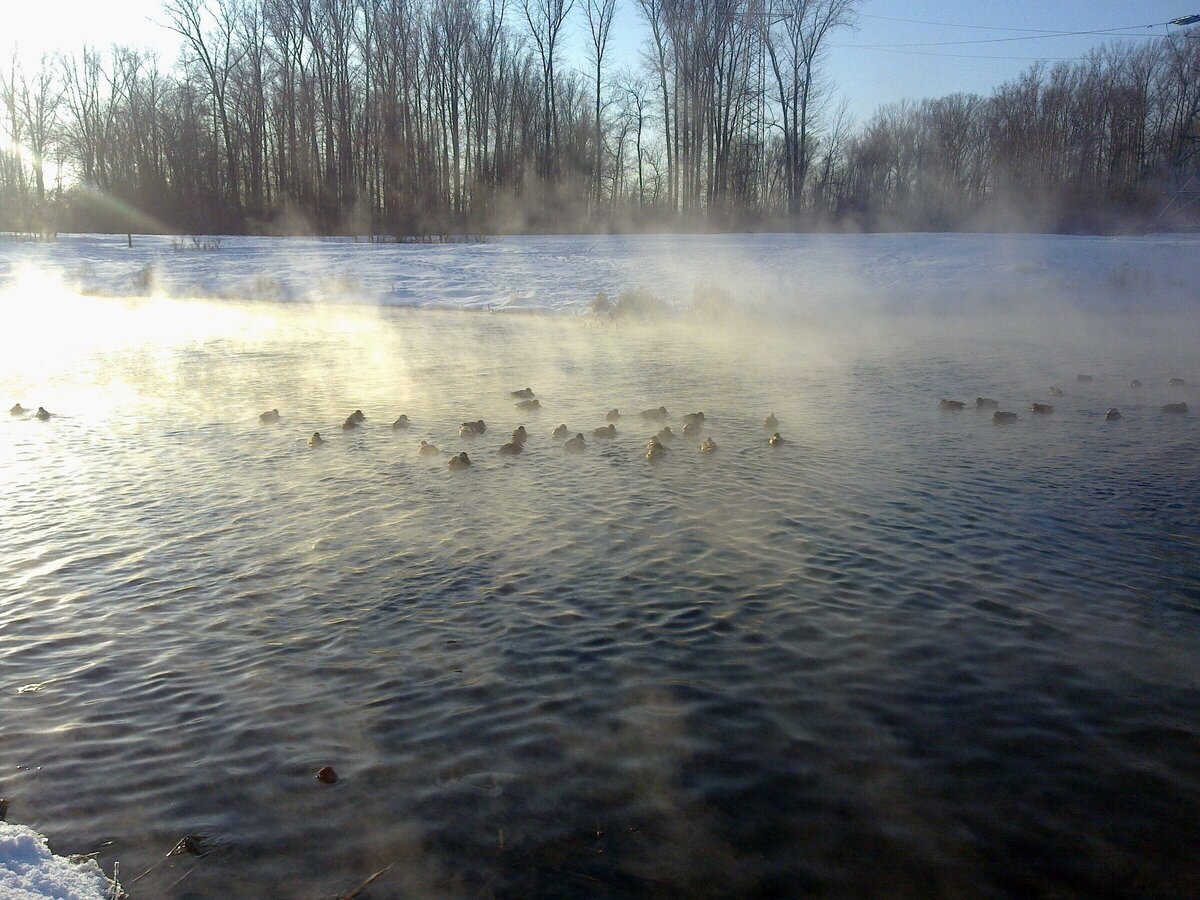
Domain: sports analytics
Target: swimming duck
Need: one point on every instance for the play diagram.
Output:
(350, 423)
(1041, 408)
(986, 403)
(1055, 392)
(1135, 383)
(770, 422)
(472, 429)
(1004, 418)
(655, 450)
(520, 436)
(1168, 408)
(666, 435)
(43, 415)
(401, 422)
(776, 439)
(512, 448)
(1084, 379)
(271, 415)
(523, 394)
(612, 415)
(655, 415)
(560, 433)
(697, 417)
(607, 432)
(952, 405)
(529, 404)
(1113, 414)
(459, 462)
(316, 440)
(17, 410)
(427, 449)
(691, 429)
(575, 444)
(1177, 382)
(358, 416)
(709, 446)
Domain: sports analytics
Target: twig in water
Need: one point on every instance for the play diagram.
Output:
(362, 887)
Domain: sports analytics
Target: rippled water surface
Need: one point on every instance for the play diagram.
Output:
(906, 653)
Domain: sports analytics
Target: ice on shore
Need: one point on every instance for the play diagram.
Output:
(29, 871)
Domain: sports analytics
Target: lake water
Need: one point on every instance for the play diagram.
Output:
(908, 652)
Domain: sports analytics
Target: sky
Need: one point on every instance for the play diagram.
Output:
(866, 75)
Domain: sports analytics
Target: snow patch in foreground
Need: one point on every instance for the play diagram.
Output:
(29, 871)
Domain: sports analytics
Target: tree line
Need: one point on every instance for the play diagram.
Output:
(435, 116)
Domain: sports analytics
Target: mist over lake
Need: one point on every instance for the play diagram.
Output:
(906, 651)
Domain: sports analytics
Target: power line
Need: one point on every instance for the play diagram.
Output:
(958, 55)
(959, 25)
(1123, 31)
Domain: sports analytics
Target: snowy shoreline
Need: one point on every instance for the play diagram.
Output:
(790, 273)
(30, 871)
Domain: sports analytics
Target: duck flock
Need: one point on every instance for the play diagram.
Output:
(691, 425)
(1006, 417)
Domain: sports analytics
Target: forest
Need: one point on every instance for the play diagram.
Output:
(411, 117)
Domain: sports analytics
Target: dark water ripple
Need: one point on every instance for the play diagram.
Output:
(909, 653)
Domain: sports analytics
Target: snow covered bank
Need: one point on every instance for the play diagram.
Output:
(29, 871)
(787, 272)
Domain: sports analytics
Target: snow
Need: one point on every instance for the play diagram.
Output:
(29, 871)
(789, 272)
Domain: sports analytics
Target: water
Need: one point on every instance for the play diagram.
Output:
(908, 652)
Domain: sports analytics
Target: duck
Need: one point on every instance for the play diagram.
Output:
(776, 439)
(655, 415)
(608, 432)
(523, 394)
(427, 449)
(1113, 414)
(1135, 384)
(520, 435)
(472, 429)
(350, 423)
(1004, 418)
(459, 462)
(1043, 409)
(951, 405)
(271, 415)
(575, 444)
(1177, 382)
(612, 415)
(1168, 408)
(1055, 392)
(770, 423)
(358, 416)
(512, 448)
(709, 446)
(655, 450)
(666, 435)
(316, 440)
(697, 417)
(986, 403)
(401, 422)
(1084, 379)
(43, 415)
(529, 404)
(17, 410)
(560, 433)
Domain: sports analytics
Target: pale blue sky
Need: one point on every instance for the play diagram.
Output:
(867, 77)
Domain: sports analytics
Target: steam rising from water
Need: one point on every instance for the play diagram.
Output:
(907, 633)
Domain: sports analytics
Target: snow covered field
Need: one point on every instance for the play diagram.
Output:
(790, 272)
